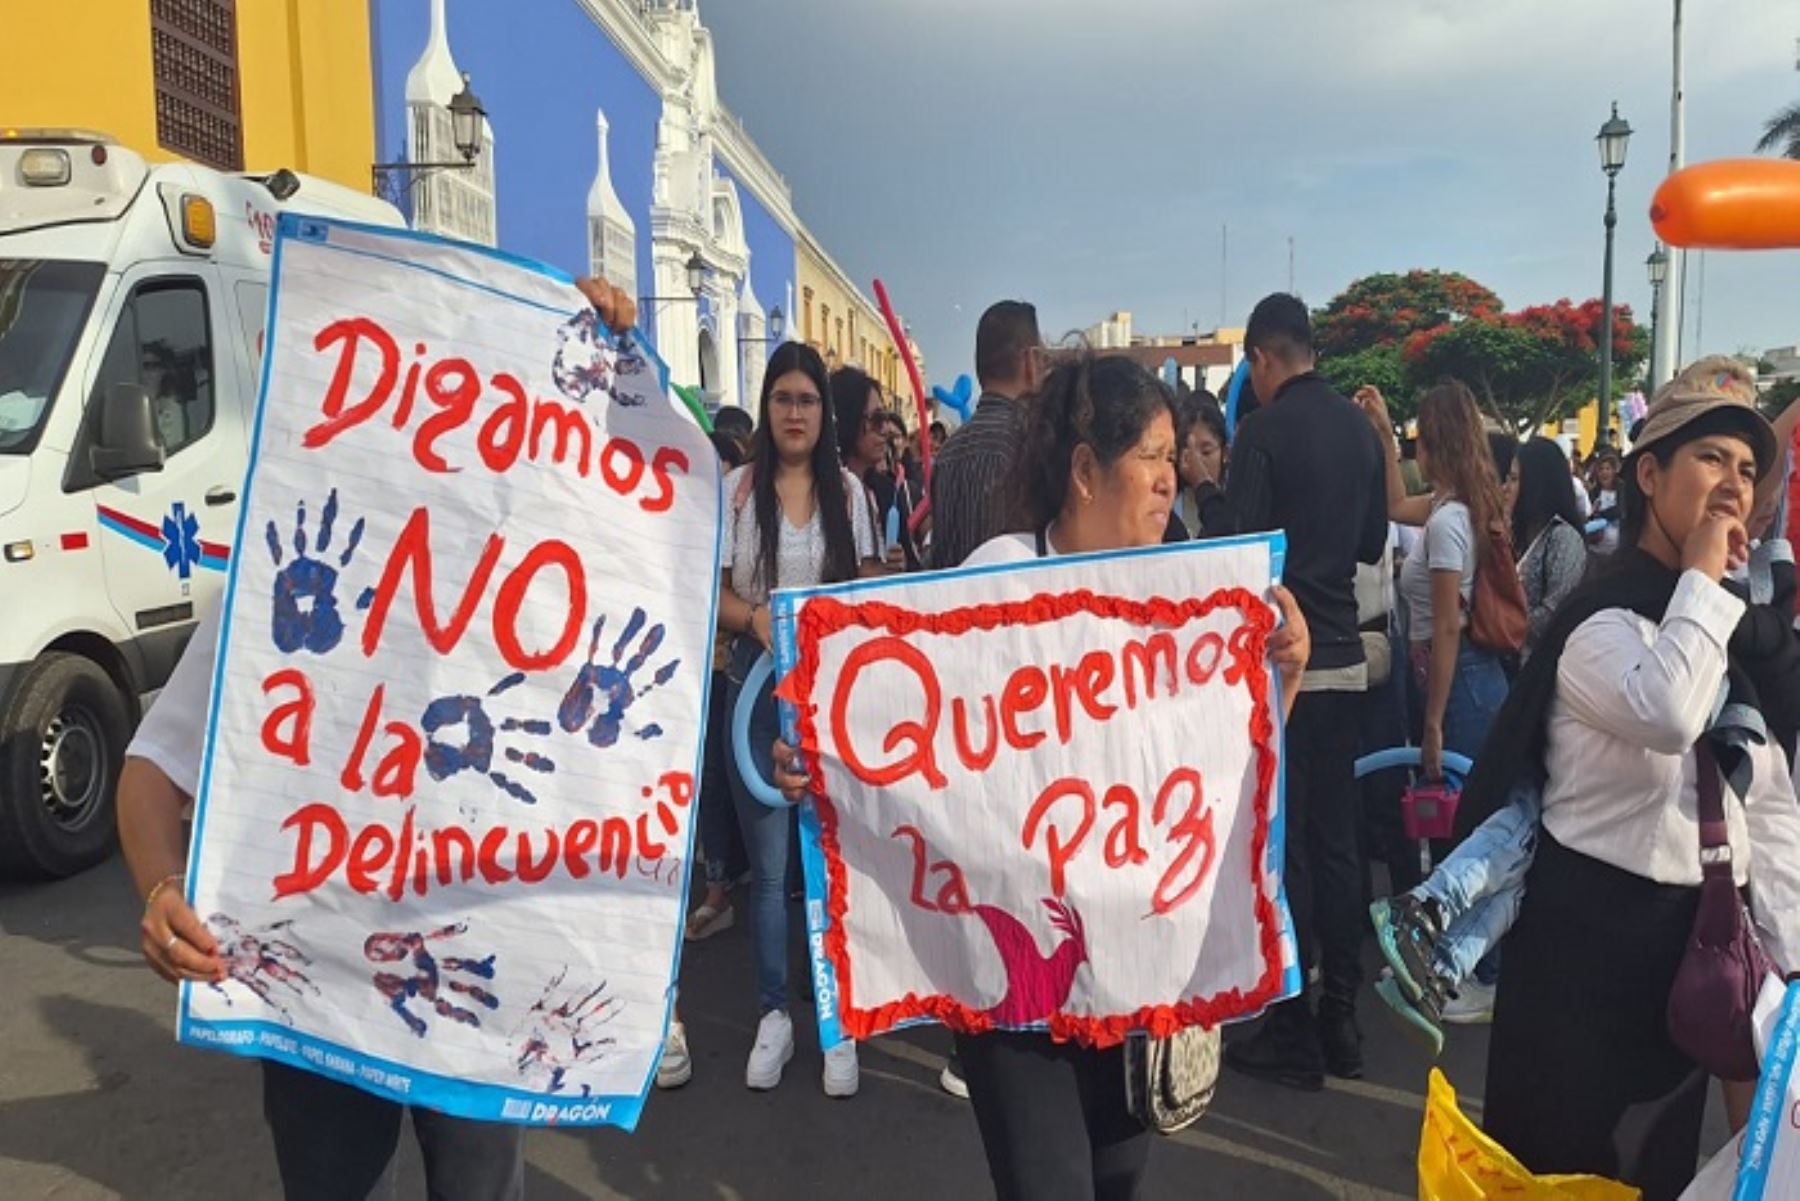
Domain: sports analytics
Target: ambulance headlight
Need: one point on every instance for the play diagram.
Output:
(44, 167)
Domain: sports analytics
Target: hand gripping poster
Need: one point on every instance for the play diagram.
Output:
(446, 812)
(1044, 794)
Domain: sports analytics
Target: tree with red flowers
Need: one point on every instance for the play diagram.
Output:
(1531, 366)
(1360, 334)
(1386, 309)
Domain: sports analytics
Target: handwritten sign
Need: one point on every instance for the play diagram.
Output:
(445, 820)
(1046, 794)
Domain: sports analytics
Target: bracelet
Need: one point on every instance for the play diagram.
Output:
(156, 888)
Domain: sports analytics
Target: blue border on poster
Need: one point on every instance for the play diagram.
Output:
(275, 1041)
(785, 604)
(1768, 1113)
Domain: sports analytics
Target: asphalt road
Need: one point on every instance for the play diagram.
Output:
(97, 1100)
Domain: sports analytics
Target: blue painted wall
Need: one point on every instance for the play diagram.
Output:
(773, 259)
(541, 67)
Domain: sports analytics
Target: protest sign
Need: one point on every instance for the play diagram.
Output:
(445, 818)
(1044, 793)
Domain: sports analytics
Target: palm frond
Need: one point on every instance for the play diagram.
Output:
(1782, 131)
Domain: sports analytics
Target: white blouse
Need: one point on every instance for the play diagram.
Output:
(1632, 697)
(800, 551)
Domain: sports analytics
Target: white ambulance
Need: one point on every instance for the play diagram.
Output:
(132, 304)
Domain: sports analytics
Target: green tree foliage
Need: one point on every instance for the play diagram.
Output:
(1380, 366)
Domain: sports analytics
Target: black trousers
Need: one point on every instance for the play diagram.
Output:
(334, 1142)
(1323, 866)
(1053, 1118)
(1581, 1074)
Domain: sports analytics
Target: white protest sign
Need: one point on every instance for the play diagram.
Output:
(444, 826)
(1045, 793)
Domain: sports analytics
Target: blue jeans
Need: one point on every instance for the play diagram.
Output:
(1478, 887)
(766, 831)
(1476, 693)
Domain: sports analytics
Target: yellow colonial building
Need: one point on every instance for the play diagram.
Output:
(255, 85)
(840, 322)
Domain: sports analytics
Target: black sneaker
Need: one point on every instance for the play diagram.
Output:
(1340, 1039)
(1407, 931)
(1285, 1051)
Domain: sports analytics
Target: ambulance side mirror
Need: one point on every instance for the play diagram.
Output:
(125, 442)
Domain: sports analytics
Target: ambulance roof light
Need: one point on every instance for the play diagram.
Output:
(198, 227)
(45, 167)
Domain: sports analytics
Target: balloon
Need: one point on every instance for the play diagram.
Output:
(1171, 372)
(1731, 204)
(898, 333)
(959, 399)
(755, 783)
(1232, 393)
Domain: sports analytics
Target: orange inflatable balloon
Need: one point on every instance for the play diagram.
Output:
(1731, 204)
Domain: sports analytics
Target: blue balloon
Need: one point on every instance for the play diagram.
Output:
(1232, 392)
(1456, 767)
(754, 781)
(960, 399)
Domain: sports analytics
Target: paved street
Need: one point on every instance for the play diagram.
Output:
(97, 1101)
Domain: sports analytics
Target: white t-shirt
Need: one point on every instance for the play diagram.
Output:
(1448, 545)
(1008, 548)
(800, 555)
(173, 733)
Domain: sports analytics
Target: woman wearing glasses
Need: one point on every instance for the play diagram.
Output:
(794, 518)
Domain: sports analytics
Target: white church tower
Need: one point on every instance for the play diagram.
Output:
(458, 203)
(612, 234)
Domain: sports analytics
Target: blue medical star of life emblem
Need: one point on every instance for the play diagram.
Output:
(181, 540)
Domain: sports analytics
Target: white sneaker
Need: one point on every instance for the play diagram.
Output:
(774, 1047)
(841, 1076)
(676, 1067)
(1471, 1003)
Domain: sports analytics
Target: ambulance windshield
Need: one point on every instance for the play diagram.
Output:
(43, 305)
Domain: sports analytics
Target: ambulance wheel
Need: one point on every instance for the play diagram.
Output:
(62, 742)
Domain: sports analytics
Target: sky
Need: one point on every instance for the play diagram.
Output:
(1084, 156)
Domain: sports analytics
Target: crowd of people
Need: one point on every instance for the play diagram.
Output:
(1600, 638)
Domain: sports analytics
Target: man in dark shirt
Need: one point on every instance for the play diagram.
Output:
(969, 480)
(1309, 463)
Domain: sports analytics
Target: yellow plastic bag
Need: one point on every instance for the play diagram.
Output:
(1457, 1162)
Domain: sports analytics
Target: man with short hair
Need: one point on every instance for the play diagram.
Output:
(969, 502)
(1307, 462)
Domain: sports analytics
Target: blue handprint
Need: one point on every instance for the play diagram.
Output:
(305, 601)
(611, 686)
(444, 760)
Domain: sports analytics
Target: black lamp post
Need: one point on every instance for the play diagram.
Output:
(1658, 267)
(466, 115)
(1612, 139)
(777, 326)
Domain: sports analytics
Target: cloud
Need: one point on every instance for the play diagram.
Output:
(1087, 156)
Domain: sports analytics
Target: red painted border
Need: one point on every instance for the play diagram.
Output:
(821, 616)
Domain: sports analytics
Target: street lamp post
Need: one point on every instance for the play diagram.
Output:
(696, 280)
(777, 326)
(466, 114)
(1658, 266)
(1612, 140)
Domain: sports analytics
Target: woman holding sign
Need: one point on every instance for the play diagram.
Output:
(1097, 474)
(793, 518)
